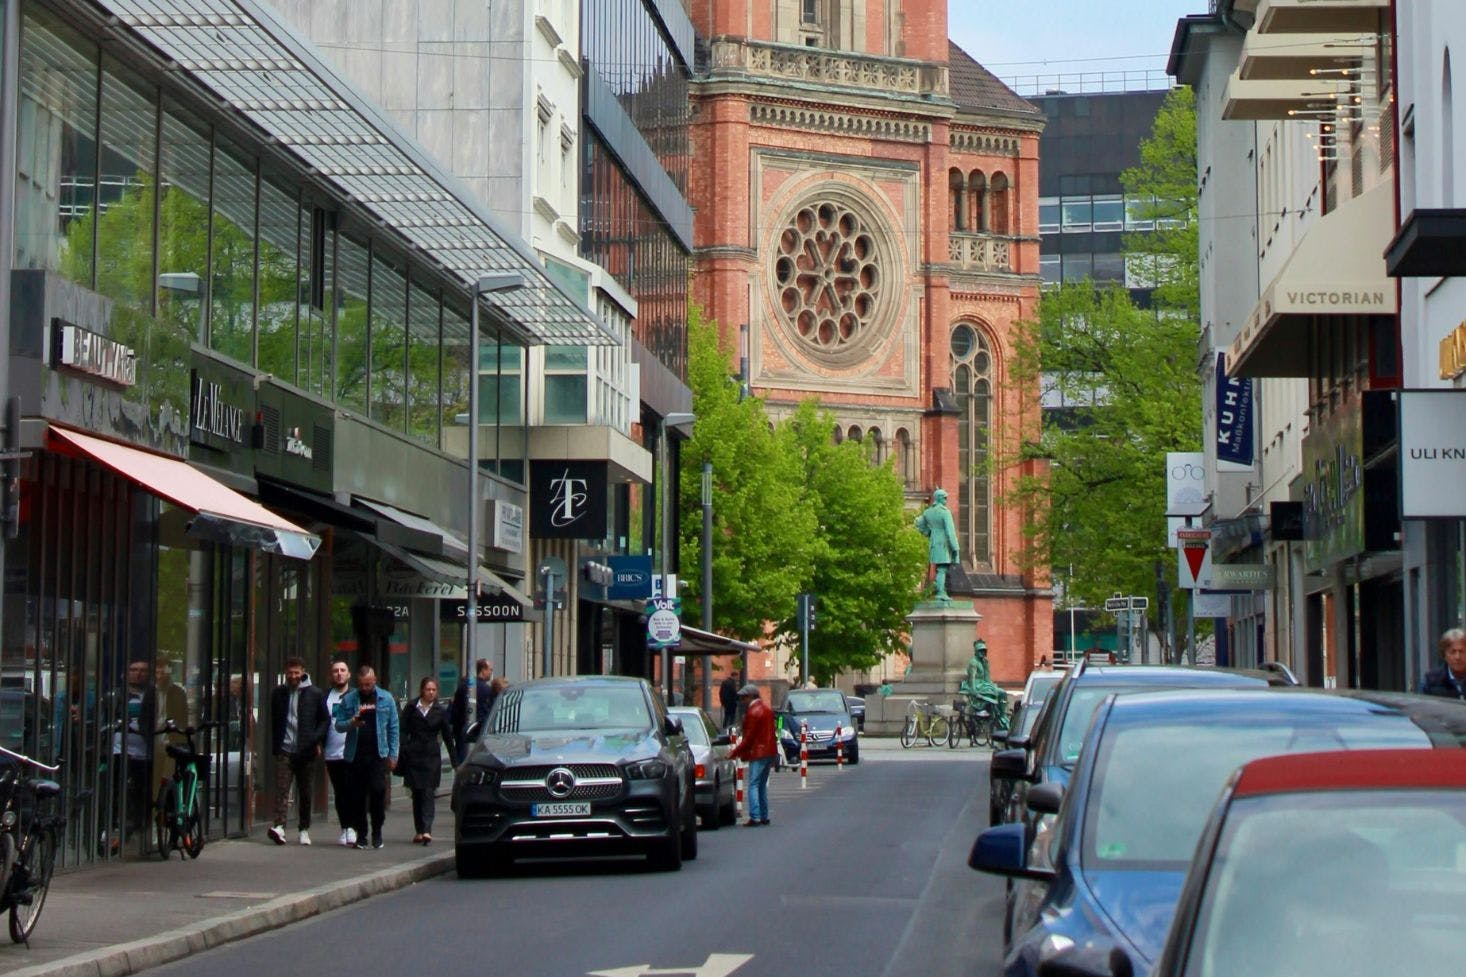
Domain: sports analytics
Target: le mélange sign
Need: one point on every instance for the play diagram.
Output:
(93, 354)
(1432, 454)
(219, 411)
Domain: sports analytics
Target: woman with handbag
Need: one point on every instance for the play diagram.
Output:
(424, 723)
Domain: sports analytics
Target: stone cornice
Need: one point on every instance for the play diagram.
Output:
(983, 142)
(841, 69)
(998, 120)
(811, 119)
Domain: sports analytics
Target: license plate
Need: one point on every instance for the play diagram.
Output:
(577, 810)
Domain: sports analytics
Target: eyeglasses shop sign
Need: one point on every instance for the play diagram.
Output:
(1432, 454)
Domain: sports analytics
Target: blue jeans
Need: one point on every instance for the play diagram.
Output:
(758, 788)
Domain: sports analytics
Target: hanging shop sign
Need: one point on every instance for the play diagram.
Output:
(631, 578)
(508, 523)
(1432, 454)
(568, 499)
(1234, 416)
(93, 354)
(1333, 482)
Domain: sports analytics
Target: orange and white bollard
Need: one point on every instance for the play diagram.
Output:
(737, 783)
(803, 755)
(839, 748)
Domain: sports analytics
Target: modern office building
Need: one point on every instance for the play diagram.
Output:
(867, 204)
(239, 309)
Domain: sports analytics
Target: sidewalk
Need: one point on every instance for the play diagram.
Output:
(116, 920)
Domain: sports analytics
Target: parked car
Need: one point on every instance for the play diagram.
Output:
(576, 766)
(1332, 863)
(822, 711)
(1109, 872)
(714, 770)
(857, 710)
(1035, 693)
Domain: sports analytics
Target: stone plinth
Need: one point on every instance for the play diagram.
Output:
(941, 646)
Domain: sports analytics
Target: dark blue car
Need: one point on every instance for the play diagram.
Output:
(1145, 782)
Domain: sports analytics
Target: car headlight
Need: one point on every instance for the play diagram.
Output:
(646, 770)
(479, 777)
(848, 732)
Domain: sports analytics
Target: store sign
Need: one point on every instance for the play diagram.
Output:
(218, 413)
(294, 443)
(1453, 353)
(1330, 298)
(397, 580)
(631, 577)
(1333, 490)
(1432, 454)
(508, 523)
(93, 354)
(1236, 576)
(1234, 416)
(489, 609)
(568, 499)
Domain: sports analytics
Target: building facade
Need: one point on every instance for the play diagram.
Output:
(238, 317)
(867, 205)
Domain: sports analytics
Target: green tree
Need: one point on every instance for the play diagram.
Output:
(868, 559)
(1128, 380)
(763, 531)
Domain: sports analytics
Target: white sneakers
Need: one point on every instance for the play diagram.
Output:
(305, 837)
(348, 838)
(277, 833)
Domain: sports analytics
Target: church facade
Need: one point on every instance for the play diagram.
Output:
(866, 203)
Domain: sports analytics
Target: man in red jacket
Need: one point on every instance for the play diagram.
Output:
(758, 746)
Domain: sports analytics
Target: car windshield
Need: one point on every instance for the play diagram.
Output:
(1155, 784)
(1038, 694)
(1082, 704)
(692, 726)
(822, 701)
(533, 709)
(1336, 883)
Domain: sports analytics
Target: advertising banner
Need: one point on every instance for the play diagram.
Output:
(1234, 417)
(1432, 454)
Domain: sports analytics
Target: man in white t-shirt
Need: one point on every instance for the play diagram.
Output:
(336, 766)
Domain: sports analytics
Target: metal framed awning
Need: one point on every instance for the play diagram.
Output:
(696, 641)
(261, 69)
(452, 574)
(220, 513)
(444, 541)
(1336, 271)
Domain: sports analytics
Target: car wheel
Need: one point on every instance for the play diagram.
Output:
(728, 813)
(471, 864)
(667, 855)
(854, 757)
(710, 816)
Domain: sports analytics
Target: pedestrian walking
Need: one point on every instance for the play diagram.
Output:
(337, 769)
(298, 721)
(132, 753)
(728, 699)
(463, 713)
(1449, 679)
(368, 717)
(757, 746)
(424, 723)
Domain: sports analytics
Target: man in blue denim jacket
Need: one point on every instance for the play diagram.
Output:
(368, 717)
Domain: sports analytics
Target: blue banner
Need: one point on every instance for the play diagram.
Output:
(1234, 416)
(631, 578)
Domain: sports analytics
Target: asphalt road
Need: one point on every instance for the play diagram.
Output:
(862, 874)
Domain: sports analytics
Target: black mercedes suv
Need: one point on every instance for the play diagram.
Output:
(586, 765)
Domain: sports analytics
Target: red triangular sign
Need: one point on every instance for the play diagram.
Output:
(1195, 555)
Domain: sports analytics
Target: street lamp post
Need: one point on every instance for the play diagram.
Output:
(504, 282)
(674, 419)
(707, 575)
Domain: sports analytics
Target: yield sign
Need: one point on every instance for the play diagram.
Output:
(1193, 557)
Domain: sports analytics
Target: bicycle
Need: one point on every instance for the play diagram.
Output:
(923, 721)
(177, 821)
(29, 824)
(977, 725)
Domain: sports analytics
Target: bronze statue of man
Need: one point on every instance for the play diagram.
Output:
(936, 524)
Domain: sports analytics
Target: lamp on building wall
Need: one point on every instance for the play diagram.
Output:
(503, 282)
(675, 419)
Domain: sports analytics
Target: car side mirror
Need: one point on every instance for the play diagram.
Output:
(1016, 742)
(724, 740)
(1003, 850)
(1000, 736)
(673, 726)
(471, 733)
(1045, 798)
(1010, 765)
(1104, 960)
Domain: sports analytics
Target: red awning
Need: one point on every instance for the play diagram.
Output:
(223, 514)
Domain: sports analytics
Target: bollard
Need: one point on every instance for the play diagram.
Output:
(839, 749)
(737, 784)
(803, 755)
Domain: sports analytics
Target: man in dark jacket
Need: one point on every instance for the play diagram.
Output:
(1449, 679)
(463, 716)
(298, 721)
(758, 746)
(728, 699)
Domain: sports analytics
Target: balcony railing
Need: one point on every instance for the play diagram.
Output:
(981, 252)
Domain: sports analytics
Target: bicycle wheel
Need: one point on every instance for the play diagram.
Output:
(908, 733)
(165, 822)
(193, 834)
(982, 734)
(937, 731)
(954, 732)
(37, 862)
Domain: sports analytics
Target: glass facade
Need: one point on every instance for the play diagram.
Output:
(183, 221)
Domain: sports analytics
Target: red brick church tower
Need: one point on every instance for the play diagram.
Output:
(866, 202)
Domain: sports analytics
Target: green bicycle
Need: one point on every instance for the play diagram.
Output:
(923, 721)
(178, 819)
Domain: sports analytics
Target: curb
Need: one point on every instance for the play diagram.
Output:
(155, 951)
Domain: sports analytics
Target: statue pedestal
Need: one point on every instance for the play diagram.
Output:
(941, 646)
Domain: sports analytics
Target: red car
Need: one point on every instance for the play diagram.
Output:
(1334, 864)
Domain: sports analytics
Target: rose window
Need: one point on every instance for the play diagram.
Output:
(827, 276)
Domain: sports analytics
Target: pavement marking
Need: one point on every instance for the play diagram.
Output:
(716, 965)
(221, 894)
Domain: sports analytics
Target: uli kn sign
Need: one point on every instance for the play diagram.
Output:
(568, 499)
(1432, 454)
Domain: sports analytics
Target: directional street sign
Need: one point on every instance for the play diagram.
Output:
(1113, 604)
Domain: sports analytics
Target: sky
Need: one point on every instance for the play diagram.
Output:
(1032, 41)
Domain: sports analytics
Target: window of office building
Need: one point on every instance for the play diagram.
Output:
(453, 416)
(129, 117)
(279, 274)
(1108, 267)
(315, 352)
(1048, 215)
(1078, 213)
(566, 385)
(353, 270)
(1078, 267)
(183, 223)
(1109, 213)
(1050, 267)
(232, 254)
(422, 363)
(972, 367)
(1139, 214)
(388, 344)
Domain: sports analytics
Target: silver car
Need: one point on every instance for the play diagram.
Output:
(715, 801)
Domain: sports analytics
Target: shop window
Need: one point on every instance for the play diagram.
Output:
(125, 194)
(353, 263)
(453, 410)
(183, 224)
(389, 345)
(232, 251)
(279, 278)
(422, 364)
(56, 150)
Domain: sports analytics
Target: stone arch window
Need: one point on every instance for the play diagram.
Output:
(854, 433)
(957, 188)
(977, 193)
(904, 467)
(839, 434)
(877, 445)
(1000, 210)
(972, 384)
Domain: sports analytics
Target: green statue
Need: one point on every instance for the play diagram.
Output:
(982, 692)
(937, 526)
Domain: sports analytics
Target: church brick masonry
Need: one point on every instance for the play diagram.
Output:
(866, 202)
